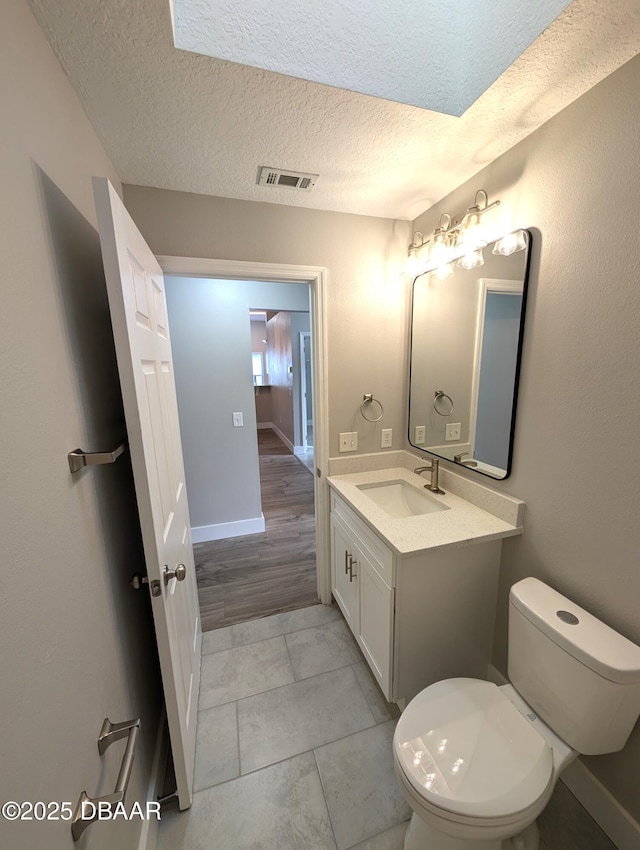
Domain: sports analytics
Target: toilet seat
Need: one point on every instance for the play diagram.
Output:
(470, 756)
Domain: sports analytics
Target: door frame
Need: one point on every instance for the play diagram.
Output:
(316, 278)
(487, 285)
(303, 335)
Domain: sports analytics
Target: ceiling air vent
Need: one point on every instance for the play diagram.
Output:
(278, 177)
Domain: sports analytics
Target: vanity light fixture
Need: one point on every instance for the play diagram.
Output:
(416, 255)
(510, 244)
(440, 251)
(463, 240)
(471, 235)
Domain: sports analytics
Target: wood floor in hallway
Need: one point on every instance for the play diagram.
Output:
(242, 578)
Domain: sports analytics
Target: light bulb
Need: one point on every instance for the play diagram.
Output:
(440, 252)
(411, 266)
(510, 244)
(444, 271)
(471, 233)
(472, 259)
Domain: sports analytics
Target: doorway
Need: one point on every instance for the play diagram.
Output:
(315, 389)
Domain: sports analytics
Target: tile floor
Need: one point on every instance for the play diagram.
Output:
(294, 748)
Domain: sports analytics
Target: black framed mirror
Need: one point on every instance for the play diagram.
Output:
(466, 344)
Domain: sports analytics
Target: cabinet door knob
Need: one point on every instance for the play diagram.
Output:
(347, 561)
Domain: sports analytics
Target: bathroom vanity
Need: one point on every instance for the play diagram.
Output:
(416, 574)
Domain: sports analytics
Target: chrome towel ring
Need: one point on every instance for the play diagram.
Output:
(440, 394)
(369, 399)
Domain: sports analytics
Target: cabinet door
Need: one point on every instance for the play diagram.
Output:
(375, 622)
(343, 577)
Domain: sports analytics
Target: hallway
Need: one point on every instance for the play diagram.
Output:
(242, 578)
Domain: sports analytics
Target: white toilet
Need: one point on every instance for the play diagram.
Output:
(478, 763)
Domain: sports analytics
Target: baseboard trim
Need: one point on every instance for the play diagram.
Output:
(284, 439)
(603, 807)
(222, 530)
(149, 832)
(264, 425)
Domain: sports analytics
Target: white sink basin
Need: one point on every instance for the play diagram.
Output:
(399, 499)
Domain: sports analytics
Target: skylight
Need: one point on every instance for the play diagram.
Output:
(433, 54)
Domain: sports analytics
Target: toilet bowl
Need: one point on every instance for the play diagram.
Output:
(478, 763)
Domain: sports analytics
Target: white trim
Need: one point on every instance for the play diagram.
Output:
(222, 530)
(304, 420)
(317, 278)
(603, 807)
(149, 831)
(283, 437)
(487, 284)
(264, 425)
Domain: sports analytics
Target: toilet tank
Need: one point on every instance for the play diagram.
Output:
(580, 676)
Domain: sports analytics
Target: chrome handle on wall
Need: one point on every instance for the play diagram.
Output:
(87, 808)
(79, 459)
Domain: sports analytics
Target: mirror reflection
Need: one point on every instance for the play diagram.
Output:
(465, 354)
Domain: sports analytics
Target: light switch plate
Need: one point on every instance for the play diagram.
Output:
(387, 438)
(420, 434)
(348, 441)
(453, 431)
(238, 420)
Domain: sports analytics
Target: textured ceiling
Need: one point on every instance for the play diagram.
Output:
(414, 52)
(172, 119)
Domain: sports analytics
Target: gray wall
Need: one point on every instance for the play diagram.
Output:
(575, 182)
(211, 342)
(75, 642)
(367, 295)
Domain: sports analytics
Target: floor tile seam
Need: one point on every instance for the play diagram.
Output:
(366, 699)
(312, 749)
(282, 634)
(238, 740)
(324, 796)
(259, 640)
(371, 837)
(341, 667)
(247, 696)
(296, 681)
(288, 758)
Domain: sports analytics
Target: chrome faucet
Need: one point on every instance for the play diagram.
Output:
(458, 459)
(434, 468)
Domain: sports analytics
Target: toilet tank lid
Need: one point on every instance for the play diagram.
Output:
(579, 633)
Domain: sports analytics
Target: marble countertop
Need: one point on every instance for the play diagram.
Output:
(463, 524)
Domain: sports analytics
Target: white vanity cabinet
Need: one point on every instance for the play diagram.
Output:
(362, 588)
(417, 617)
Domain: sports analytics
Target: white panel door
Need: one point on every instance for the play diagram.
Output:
(135, 285)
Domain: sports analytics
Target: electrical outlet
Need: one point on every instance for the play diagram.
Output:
(420, 435)
(238, 420)
(452, 431)
(348, 441)
(387, 438)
